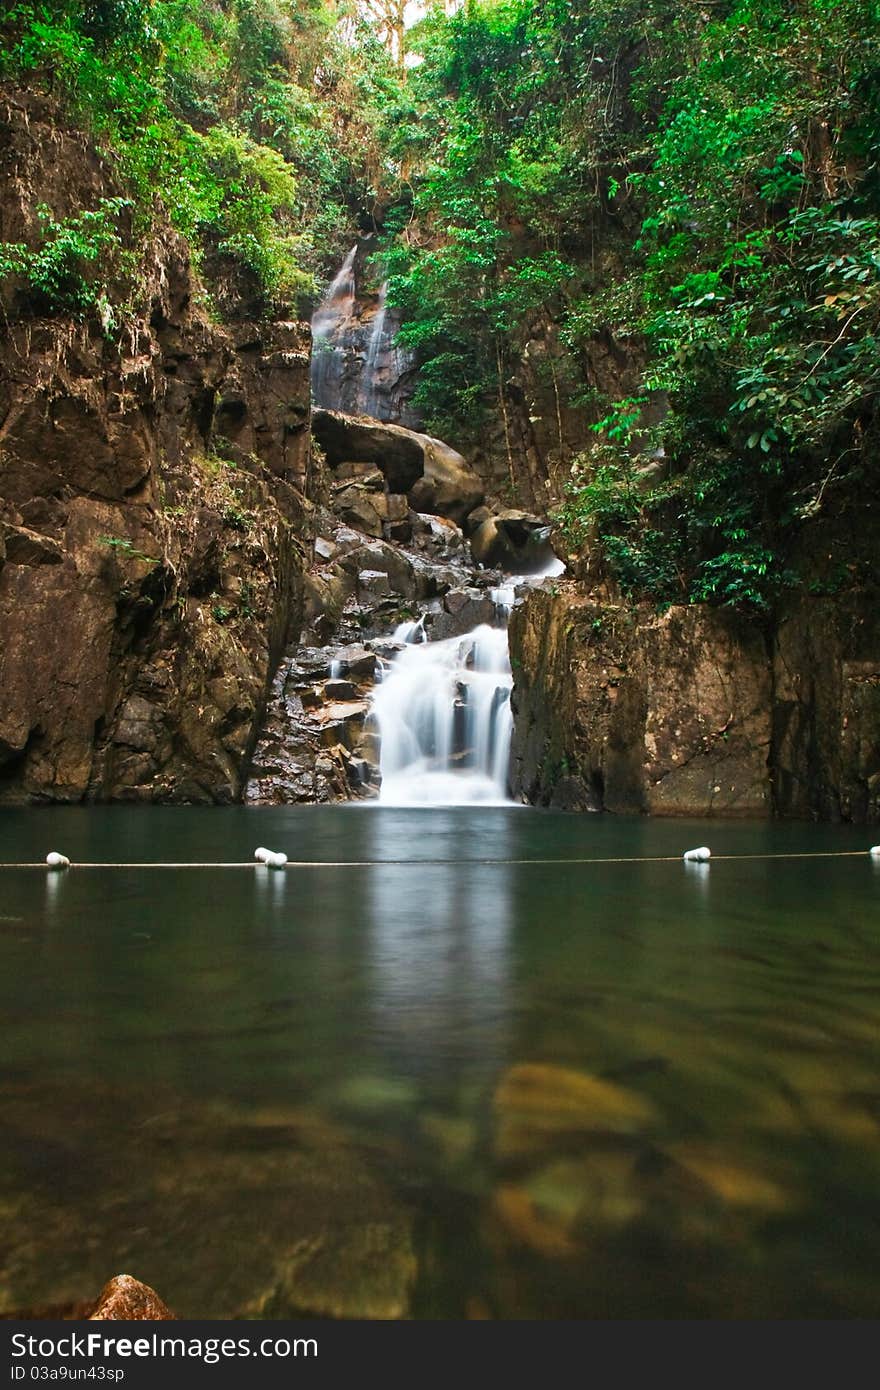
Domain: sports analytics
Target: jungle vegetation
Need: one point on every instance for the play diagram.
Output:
(697, 182)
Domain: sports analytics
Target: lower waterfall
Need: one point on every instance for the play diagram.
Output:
(444, 720)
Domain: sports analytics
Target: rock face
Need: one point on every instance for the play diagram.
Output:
(151, 500)
(635, 712)
(695, 712)
(357, 366)
(826, 710)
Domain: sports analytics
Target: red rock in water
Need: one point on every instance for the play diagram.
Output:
(127, 1299)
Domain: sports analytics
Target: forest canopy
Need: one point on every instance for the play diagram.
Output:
(697, 184)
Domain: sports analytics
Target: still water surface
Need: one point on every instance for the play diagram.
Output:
(440, 1090)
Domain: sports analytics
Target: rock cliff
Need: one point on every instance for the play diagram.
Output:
(152, 510)
(696, 711)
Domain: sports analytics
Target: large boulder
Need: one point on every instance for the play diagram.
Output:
(447, 487)
(514, 541)
(348, 439)
(356, 506)
(435, 478)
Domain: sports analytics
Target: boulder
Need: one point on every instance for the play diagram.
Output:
(401, 573)
(447, 486)
(126, 1299)
(434, 476)
(351, 439)
(476, 518)
(373, 586)
(463, 610)
(356, 505)
(513, 541)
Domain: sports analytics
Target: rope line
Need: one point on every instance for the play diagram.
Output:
(449, 863)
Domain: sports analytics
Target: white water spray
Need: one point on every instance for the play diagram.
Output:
(444, 718)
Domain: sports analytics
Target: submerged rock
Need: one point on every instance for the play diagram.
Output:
(535, 1104)
(359, 1271)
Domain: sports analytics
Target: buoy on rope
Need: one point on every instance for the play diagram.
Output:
(701, 855)
(874, 851)
(276, 861)
(57, 861)
(262, 855)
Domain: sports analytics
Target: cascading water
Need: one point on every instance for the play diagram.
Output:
(444, 719)
(328, 357)
(357, 367)
(369, 398)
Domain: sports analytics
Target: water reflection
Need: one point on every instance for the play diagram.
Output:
(439, 947)
(636, 1089)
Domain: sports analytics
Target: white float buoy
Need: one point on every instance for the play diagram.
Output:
(874, 851)
(276, 861)
(697, 856)
(261, 855)
(57, 861)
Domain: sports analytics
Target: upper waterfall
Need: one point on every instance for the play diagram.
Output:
(328, 355)
(357, 367)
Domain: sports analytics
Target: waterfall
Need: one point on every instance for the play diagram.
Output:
(356, 365)
(444, 720)
(369, 398)
(328, 356)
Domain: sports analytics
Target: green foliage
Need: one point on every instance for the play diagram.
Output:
(59, 271)
(697, 185)
(122, 545)
(232, 116)
(757, 294)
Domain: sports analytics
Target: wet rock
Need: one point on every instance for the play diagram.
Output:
(535, 1104)
(340, 690)
(514, 541)
(456, 600)
(127, 1299)
(470, 609)
(373, 585)
(357, 661)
